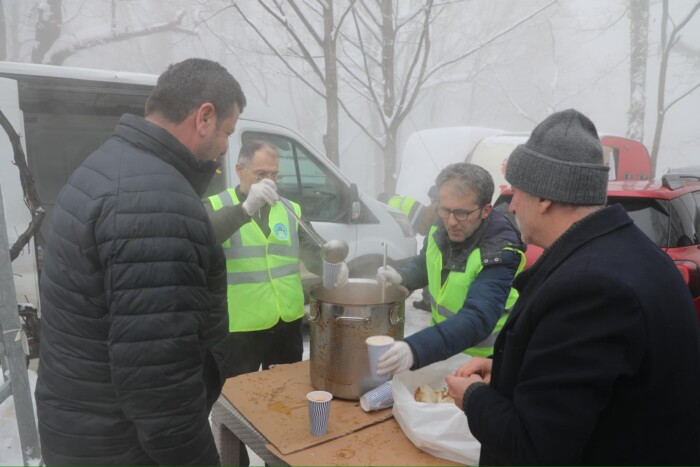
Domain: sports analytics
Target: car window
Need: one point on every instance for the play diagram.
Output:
(650, 215)
(304, 180)
(684, 221)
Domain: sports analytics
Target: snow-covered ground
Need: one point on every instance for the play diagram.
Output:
(10, 453)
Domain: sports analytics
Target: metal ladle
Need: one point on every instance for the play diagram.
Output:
(333, 251)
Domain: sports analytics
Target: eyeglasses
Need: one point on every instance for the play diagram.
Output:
(460, 214)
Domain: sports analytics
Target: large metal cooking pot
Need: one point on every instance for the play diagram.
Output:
(340, 321)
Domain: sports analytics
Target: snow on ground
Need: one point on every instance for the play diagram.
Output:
(10, 453)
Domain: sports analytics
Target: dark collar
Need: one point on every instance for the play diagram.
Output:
(595, 225)
(159, 142)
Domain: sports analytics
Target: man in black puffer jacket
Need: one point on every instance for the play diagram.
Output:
(134, 315)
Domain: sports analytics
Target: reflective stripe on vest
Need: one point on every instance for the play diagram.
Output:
(448, 298)
(263, 273)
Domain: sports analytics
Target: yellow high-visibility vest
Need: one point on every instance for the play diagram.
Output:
(264, 282)
(409, 207)
(448, 298)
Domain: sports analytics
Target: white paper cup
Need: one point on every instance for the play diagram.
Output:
(319, 410)
(376, 346)
(378, 398)
(331, 272)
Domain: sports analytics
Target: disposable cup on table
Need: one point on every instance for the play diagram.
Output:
(331, 272)
(319, 411)
(378, 398)
(376, 346)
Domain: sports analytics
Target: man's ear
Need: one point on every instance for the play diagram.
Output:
(486, 212)
(205, 118)
(545, 205)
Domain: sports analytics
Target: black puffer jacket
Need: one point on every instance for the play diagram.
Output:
(134, 316)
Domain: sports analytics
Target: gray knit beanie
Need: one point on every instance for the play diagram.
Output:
(561, 161)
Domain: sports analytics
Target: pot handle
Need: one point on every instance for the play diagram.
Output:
(363, 319)
(314, 311)
(394, 317)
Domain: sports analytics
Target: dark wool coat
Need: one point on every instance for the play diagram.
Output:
(134, 316)
(599, 362)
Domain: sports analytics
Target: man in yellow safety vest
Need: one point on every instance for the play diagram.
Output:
(263, 245)
(468, 262)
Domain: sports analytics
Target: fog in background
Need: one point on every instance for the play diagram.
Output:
(498, 63)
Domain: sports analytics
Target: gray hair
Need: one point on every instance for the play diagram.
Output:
(468, 177)
(186, 85)
(249, 149)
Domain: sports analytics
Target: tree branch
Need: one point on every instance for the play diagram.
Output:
(681, 97)
(306, 54)
(487, 42)
(276, 52)
(57, 55)
(30, 195)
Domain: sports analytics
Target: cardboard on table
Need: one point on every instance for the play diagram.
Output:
(380, 444)
(274, 402)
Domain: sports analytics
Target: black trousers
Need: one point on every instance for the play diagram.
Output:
(282, 343)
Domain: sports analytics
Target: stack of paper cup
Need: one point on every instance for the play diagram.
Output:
(378, 398)
(319, 410)
(331, 272)
(376, 346)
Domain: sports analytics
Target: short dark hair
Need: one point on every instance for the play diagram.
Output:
(469, 177)
(252, 146)
(186, 85)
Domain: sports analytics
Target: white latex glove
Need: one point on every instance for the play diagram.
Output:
(265, 191)
(398, 358)
(388, 275)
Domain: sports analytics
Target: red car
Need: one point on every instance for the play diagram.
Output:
(667, 211)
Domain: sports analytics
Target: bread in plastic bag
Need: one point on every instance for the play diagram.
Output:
(438, 429)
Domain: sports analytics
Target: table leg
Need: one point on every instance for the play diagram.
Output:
(227, 443)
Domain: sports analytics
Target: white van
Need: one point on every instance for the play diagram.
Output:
(427, 152)
(62, 114)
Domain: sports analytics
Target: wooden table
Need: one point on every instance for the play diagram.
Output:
(267, 411)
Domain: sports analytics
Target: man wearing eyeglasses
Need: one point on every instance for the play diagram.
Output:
(263, 247)
(468, 262)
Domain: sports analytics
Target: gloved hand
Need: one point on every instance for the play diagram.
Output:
(265, 191)
(388, 275)
(398, 358)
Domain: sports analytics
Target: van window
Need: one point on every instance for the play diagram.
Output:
(303, 180)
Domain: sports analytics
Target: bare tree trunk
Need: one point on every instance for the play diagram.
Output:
(661, 107)
(388, 32)
(48, 29)
(3, 33)
(661, 91)
(331, 140)
(388, 56)
(639, 47)
(390, 148)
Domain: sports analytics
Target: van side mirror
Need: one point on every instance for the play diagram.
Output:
(354, 203)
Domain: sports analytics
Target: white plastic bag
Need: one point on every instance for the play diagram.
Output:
(439, 429)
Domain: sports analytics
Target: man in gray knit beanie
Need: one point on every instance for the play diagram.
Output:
(601, 348)
(562, 161)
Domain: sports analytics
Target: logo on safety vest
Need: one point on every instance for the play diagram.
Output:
(281, 231)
